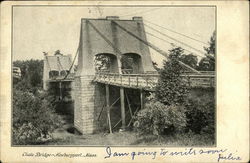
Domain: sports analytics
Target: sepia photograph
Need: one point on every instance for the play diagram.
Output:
(114, 75)
(124, 81)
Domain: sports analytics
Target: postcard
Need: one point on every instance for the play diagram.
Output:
(124, 81)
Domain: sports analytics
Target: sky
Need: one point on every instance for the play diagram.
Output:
(46, 29)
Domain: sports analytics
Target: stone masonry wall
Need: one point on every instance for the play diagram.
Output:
(89, 99)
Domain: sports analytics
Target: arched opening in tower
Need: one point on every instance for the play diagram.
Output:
(106, 62)
(64, 72)
(53, 74)
(131, 63)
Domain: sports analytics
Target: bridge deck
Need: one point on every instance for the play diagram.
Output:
(61, 80)
(69, 78)
(149, 81)
(146, 81)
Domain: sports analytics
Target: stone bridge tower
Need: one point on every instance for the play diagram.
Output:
(106, 37)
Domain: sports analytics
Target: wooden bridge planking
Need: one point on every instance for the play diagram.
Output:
(149, 81)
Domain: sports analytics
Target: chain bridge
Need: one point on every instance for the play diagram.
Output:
(101, 92)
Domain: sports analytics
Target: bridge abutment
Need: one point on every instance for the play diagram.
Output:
(123, 115)
(89, 100)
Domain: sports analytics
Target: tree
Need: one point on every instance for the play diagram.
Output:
(155, 65)
(33, 117)
(58, 52)
(171, 89)
(32, 71)
(159, 119)
(33, 112)
(208, 63)
(211, 49)
(175, 53)
(166, 104)
(190, 60)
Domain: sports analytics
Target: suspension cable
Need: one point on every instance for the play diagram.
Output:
(179, 41)
(164, 27)
(176, 32)
(77, 52)
(174, 39)
(152, 46)
(172, 43)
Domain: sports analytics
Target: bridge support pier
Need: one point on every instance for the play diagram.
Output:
(142, 98)
(108, 107)
(89, 99)
(122, 108)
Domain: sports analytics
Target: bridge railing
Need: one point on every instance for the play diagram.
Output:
(145, 81)
(199, 80)
(149, 81)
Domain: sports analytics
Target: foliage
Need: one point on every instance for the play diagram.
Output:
(33, 117)
(175, 53)
(208, 63)
(200, 112)
(157, 118)
(27, 133)
(32, 73)
(171, 89)
(102, 62)
(211, 48)
(190, 60)
(58, 52)
(164, 111)
(174, 107)
(155, 65)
